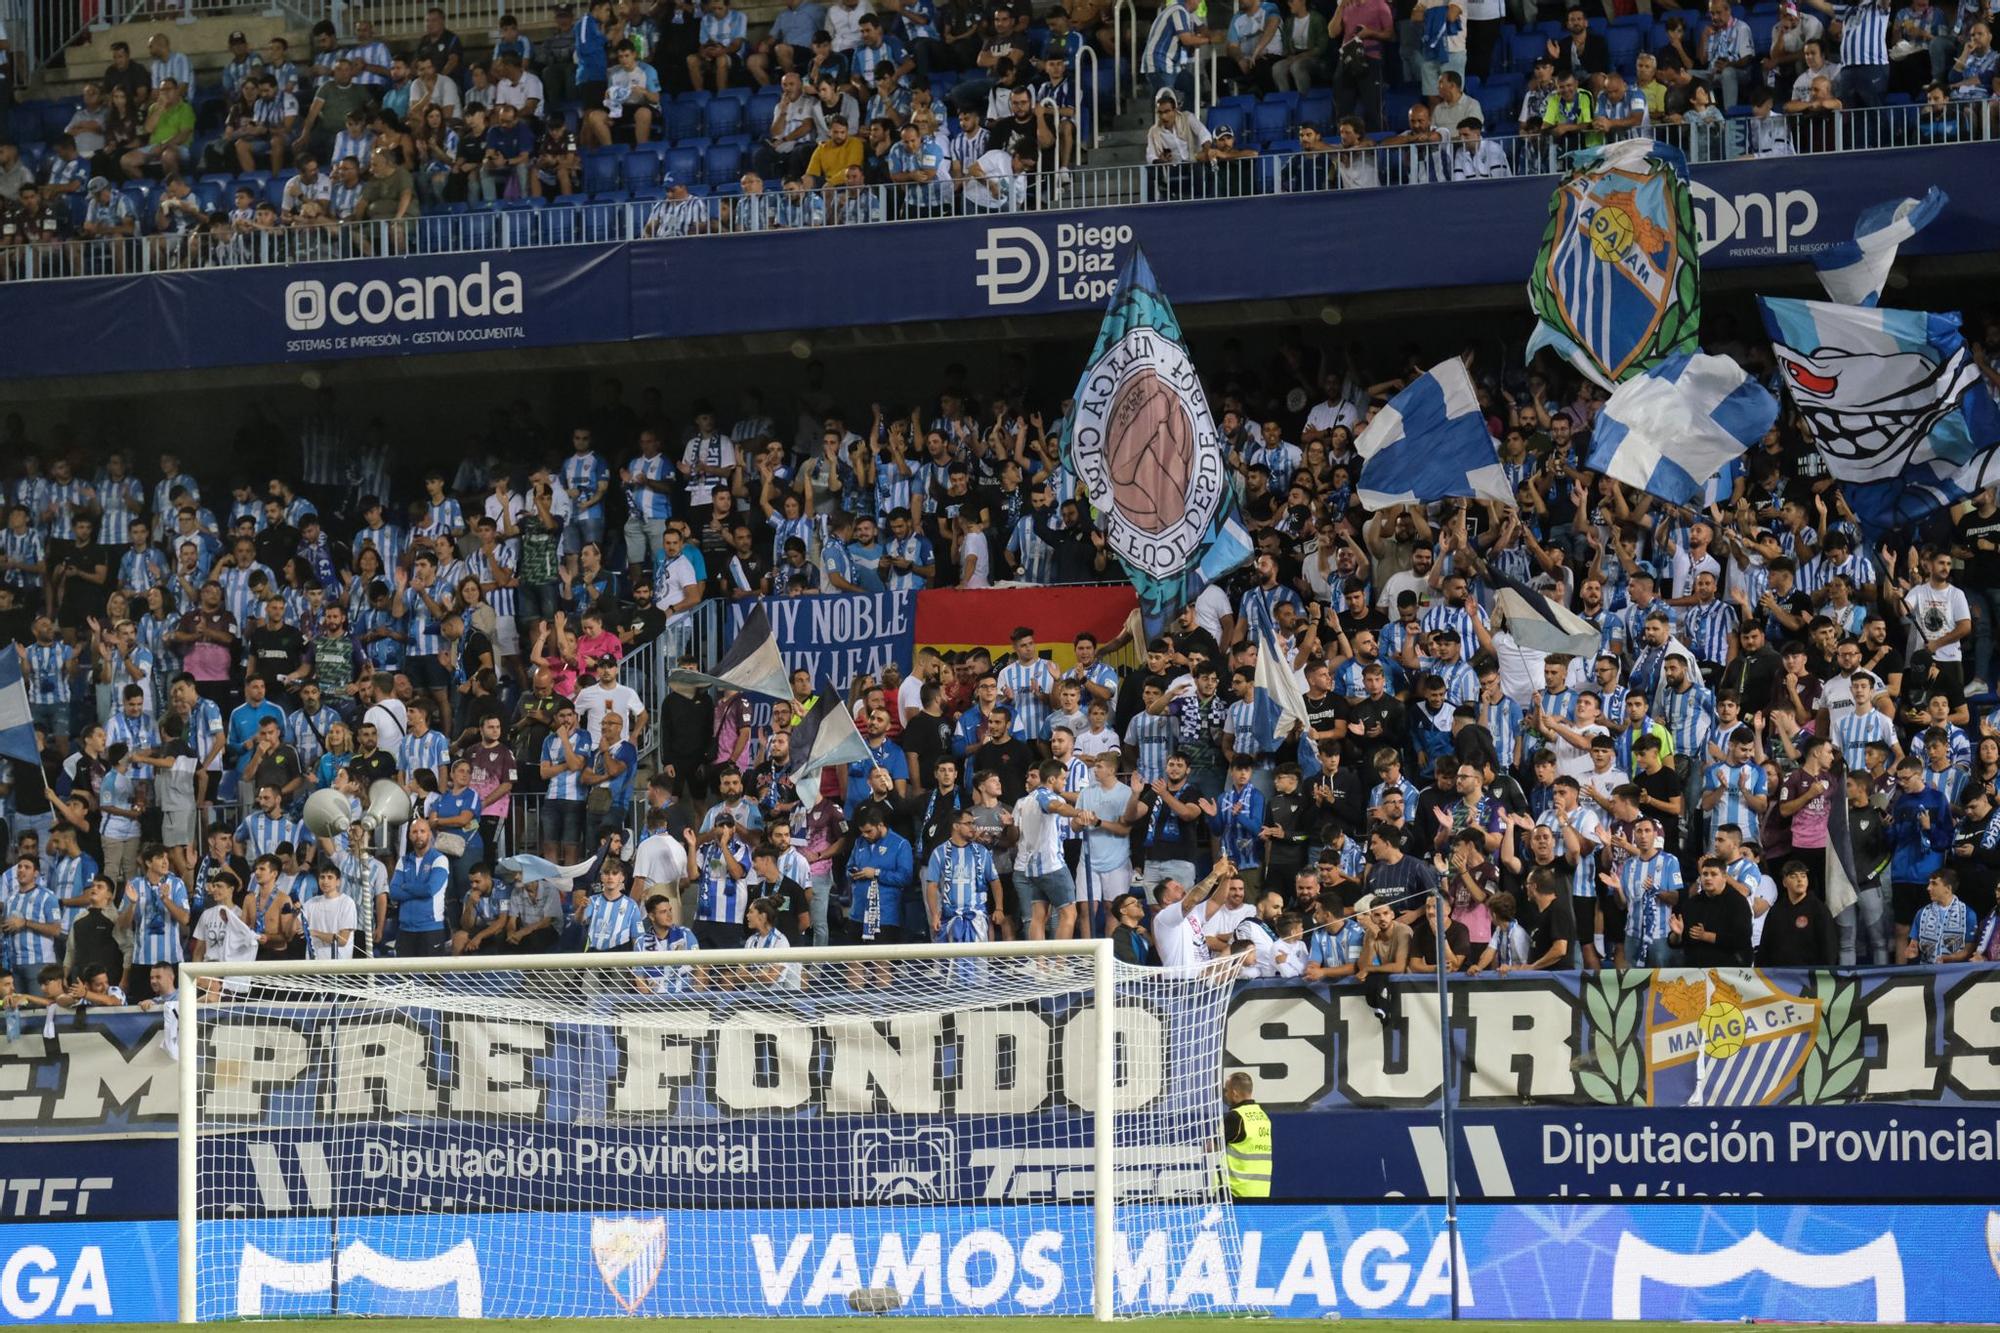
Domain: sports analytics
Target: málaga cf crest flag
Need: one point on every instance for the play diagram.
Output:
(1617, 285)
(1146, 449)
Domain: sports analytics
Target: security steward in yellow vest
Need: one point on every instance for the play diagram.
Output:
(1246, 1134)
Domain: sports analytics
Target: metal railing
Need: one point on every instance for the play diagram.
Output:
(1124, 42)
(1085, 76)
(534, 224)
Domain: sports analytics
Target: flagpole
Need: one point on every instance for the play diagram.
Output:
(1447, 1114)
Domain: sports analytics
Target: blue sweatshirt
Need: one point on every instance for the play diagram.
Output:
(1916, 853)
(417, 888)
(893, 857)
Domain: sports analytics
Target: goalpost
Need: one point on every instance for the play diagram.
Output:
(1028, 1128)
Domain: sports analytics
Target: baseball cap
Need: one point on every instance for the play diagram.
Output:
(97, 183)
(667, 182)
(1224, 132)
(606, 659)
(565, 10)
(237, 36)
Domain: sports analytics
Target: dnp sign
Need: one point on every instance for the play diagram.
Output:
(1773, 223)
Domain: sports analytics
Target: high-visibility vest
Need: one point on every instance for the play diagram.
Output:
(1247, 1162)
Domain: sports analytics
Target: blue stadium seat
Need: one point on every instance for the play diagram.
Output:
(683, 120)
(1273, 120)
(261, 176)
(762, 104)
(742, 92)
(1396, 104)
(275, 192)
(725, 116)
(683, 163)
(480, 229)
(723, 164)
(561, 224)
(600, 172)
(1761, 28)
(1316, 107)
(642, 167)
(1642, 23)
(145, 196)
(695, 98)
(1502, 98)
(1233, 117)
(1525, 47)
(210, 192)
(1244, 100)
(1624, 44)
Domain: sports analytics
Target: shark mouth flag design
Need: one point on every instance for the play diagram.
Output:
(753, 663)
(825, 738)
(1145, 447)
(1853, 272)
(1889, 397)
(1617, 285)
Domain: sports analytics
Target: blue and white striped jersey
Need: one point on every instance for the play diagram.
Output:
(156, 936)
(611, 923)
(1735, 782)
(962, 876)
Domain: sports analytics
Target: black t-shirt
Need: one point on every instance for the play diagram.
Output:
(1405, 886)
(1010, 759)
(1557, 922)
(1166, 847)
(276, 651)
(1423, 938)
(1982, 567)
(1385, 713)
(792, 900)
(1663, 785)
(80, 598)
(926, 739)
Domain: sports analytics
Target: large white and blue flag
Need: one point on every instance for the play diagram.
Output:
(753, 663)
(1853, 272)
(1673, 427)
(1892, 401)
(1278, 704)
(1431, 442)
(1145, 446)
(17, 722)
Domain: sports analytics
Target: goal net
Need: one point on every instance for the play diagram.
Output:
(914, 1129)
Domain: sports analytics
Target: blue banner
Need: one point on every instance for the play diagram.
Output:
(1733, 1262)
(1758, 212)
(839, 636)
(103, 1176)
(1795, 1085)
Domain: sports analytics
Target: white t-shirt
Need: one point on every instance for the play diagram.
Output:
(391, 722)
(1933, 611)
(1178, 939)
(227, 938)
(660, 861)
(1209, 609)
(678, 577)
(1397, 584)
(1763, 894)
(594, 701)
(1090, 743)
(975, 562)
(1573, 761)
(910, 696)
(1223, 921)
(330, 916)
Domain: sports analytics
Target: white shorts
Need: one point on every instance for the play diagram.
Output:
(506, 637)
(1101, 886)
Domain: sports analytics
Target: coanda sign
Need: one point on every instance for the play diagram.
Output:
(311, 304)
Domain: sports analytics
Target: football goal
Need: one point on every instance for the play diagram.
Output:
(961, 1129)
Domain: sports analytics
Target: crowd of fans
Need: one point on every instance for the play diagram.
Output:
(202, 653)
(853, 112)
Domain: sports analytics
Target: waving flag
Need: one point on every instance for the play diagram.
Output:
(1430, 442)
(1926, 488)
(17, 723)
(825, 738)
(1884, 392)
(1537, 623)
(1669, 430)
(1617, 285)
(1853, 271)
(1146, 449)
(753, 663)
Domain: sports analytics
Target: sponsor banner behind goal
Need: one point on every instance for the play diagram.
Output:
(1856, 1263)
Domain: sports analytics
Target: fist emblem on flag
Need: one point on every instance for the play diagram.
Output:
(1149, 450)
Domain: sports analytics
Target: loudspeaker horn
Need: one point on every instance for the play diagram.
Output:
(388, 803)
(328, 814)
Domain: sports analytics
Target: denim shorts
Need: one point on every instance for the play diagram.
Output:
(562, 823)
(1056, 888)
